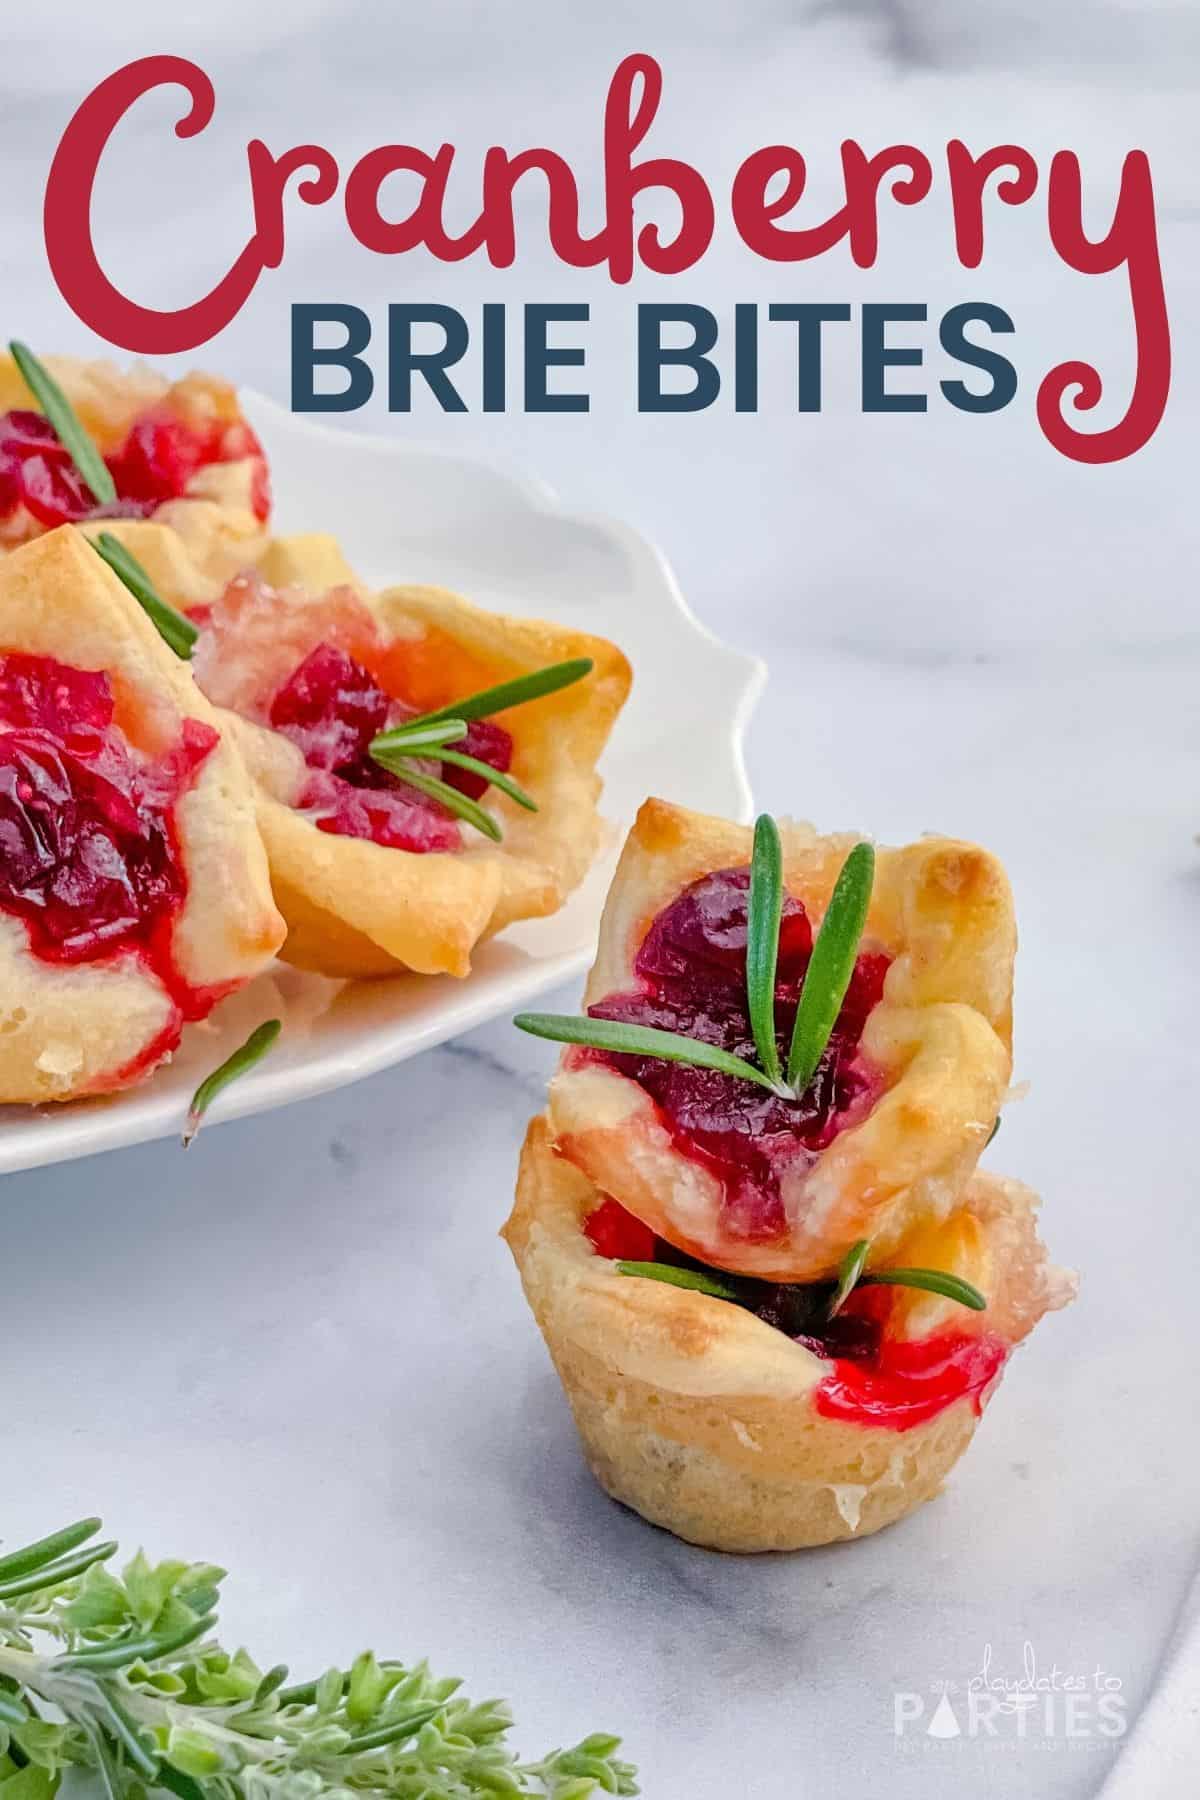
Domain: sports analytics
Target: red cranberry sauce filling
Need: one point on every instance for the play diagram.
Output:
(156, 461)
(614, 1232)
(908, 1383)
(331, 707)
(89, 856)
(875, 1380)
(692, 974)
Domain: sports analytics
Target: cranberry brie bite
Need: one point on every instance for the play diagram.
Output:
(427, 770)
(173, 469)
(134, 891)
(750, 1225)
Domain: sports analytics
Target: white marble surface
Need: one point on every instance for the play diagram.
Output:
(302, 1351)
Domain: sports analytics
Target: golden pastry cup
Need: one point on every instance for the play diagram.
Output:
(701, 1417)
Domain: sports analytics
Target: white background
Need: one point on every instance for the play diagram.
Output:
(302, 1352)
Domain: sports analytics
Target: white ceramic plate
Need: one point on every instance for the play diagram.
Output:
(406, 514)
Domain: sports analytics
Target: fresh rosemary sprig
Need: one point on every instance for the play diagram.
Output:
(395, 749)
(417, 738)
(682, 1278)
(66, 422)
(461, 805)
(121, 1675)
(392, 750)
(853, 1273)
(849, 1273)
(494, 777)
(639, 1040)
(517, 692)
(764, 911)
(747, 1292)
(933, 1281)
(174, 629)
(831, 965)
(822, 992)
(238, 1063)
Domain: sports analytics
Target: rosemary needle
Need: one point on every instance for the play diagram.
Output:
(66, 422)
(172, 626)
(622, 1039)
(244, 1058)
(849, 1273)
(933, 1281)
(764, 911)
(831, 966)
(517, 692)
(456, 802)
(694, 1279)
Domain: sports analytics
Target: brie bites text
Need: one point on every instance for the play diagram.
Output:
(778, 1311)
(768, 208)
(683, 361)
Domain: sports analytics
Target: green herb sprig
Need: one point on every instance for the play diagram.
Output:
(826, 979)
(395, 751)
(640, 1040)
(849, 1275)
(516, 692)
(175, 630)
(816, 1301)
(239, 1063)
(764, 913)
(460, 804)
(121, 1675)
(853, 1273)
(695, 1279)
(933, 1281)
(66, 422)
(831, 965)
(431, 734)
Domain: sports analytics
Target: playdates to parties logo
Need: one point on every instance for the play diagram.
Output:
(1031, 1703)
(687, 359)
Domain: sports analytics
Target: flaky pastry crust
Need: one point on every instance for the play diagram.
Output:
(357, 908)
(192, 545)
(940, 1038)
(702, 1418)
(71, 1029)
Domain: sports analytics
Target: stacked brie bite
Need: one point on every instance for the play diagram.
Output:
(776, 1286)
